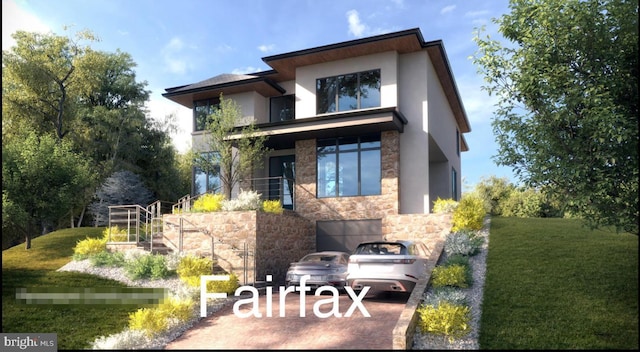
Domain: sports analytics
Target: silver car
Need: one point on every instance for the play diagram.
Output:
(328, 268)
(388, 266)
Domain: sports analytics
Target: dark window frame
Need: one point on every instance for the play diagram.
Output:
(210, 105)
(347, 148)
(285, 114)
(333, 83)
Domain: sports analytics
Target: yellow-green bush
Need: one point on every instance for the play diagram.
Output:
(208, 203)
(181, 309)
(191, 268)
(451, 275)
(151, 320)
(469, 214)
(229, 286)
(444, 205)
(446, 319)
(89, 246)
(272, 206)
(117, 234)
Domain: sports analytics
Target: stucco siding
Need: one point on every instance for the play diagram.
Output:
(306, 79)
(414, 141)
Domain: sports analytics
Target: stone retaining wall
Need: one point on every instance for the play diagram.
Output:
(251, 244)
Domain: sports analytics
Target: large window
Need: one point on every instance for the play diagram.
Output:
(349, 166)
(202, 110)
(207, 181)
(352, 91)
(282, 108)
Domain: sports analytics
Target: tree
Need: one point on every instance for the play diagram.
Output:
(233, 159)
(41, 177)
(39, 85)
(53, 85)
(567, 112)
(121, 188)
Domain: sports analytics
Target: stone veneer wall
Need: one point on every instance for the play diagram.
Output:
(347, 208)
(431, 229)
(272, 240)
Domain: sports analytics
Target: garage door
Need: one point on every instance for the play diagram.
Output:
(345, 235)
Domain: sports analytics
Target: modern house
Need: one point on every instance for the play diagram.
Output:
(366, 133)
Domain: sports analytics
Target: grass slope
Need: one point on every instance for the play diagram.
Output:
(553, 284)
(76, 326)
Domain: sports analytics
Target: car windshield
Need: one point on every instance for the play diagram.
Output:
(319, 258)
(381, 248)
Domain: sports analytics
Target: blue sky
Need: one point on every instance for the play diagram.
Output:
(180, 42)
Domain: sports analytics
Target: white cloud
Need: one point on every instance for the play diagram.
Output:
(170, 53)
(355, 26)
(447, 9)
(14, 19)
(160, 107)
(266, 48)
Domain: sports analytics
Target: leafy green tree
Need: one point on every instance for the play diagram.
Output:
(41, 177)
(494, 190)
(236, 145)
(53, 85)
(567, 112)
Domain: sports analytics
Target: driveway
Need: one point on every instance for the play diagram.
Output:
(226, 330)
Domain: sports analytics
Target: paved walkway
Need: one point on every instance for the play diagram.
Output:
(225, 330)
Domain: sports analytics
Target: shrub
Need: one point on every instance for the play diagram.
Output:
(452, 275)
(457, 259)
(88, 247)
(464, 242)
(272, 206)
(117, 234)
(177, 308)
(469, 214)
(446, 319)
(150, 320)
(444, 205)
(246, 200)
(445, 294)
(191, 268)
(147, 266)
(229, 286)
(208, 203)
(109, 259)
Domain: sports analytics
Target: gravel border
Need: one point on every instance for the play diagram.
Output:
(474, 294)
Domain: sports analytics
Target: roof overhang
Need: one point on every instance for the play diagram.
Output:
(186, 95)
(283, 134)
(402, 42)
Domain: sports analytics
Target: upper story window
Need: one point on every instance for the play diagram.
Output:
(202, 110)
(282, 108)
(352, 91)
(349, 166)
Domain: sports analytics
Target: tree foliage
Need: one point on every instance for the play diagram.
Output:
(567, 112)
(236, 145)
(41, 178)
(60, 87)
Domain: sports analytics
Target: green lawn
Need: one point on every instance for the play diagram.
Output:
(76, 326)
(552, 284)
